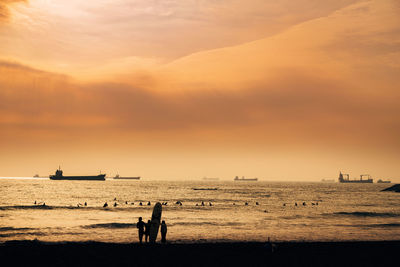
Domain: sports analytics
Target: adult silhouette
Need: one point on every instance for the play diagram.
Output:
(140, 226)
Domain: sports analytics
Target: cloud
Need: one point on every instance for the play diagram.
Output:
(302, 109)
(4, 12)
(100, 32)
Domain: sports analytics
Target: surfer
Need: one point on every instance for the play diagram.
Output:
(147, 230)
(140, 225)
(163, 232)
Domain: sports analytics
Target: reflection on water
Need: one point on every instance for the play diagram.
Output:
(331, 211)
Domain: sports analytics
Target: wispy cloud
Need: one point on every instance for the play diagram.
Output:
(4, 12)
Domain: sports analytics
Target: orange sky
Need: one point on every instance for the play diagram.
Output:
(281, 90)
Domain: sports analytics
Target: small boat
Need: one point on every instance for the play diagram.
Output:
(126, 178)
(380, 181)
(36, 176)
(245, 179)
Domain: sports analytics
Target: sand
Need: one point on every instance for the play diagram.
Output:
(35, 253)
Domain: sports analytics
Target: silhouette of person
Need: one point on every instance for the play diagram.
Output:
(147, 230)
(35, 202)
(140, 225)
(105, 205)
(140, 204)
(85, 204)
(163, 232)
(148, 203)
(115, 204)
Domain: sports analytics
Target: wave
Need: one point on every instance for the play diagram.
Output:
(111, 225)
(375, 225)
(365, 214)
(23, 234)
(25, 207)
(7, 229)
(205, 224)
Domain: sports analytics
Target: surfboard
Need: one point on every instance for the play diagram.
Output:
(155, 222)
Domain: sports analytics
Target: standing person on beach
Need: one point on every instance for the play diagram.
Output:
(140, 225)
(163, 232)
(147, 230)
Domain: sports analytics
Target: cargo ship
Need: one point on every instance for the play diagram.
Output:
(126, 178)
(59, 176)
(344, 178)
(245, 179)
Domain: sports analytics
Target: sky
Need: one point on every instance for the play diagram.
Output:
(275, 89)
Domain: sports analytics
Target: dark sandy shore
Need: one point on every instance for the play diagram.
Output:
(31, 253)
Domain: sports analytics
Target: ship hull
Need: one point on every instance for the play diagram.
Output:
(127, 178)
(357, 181)
(79, 178)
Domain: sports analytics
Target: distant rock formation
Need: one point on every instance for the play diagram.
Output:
(394, 188)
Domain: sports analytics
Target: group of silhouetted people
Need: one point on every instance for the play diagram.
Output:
(144, 229)
(304, 204)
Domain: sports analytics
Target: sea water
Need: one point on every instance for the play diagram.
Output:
(331, 211)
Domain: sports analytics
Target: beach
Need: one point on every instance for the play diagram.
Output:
(36, 253)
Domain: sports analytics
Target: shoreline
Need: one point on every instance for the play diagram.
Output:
(341, 253)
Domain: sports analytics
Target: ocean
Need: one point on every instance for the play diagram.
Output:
(331, 211)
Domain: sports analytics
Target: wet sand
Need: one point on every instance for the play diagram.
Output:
(31, 253)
